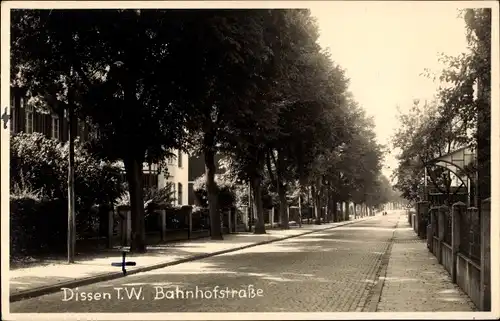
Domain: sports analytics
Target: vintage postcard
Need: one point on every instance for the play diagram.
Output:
(246, 160)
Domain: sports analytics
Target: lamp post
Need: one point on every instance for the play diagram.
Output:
(250, 210)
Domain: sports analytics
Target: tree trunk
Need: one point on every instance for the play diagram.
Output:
(133, 168)
(260, 227)
(300, 208)
(347, 211)
(314, 202)
(329, 207)
(310, 201)
(282, 194)
(335, 211)
(483, 138)
(317, 207)
(213, 207)
(283, 208)
(302, 192)
(71, 237)
(250, 209)
(318, 210)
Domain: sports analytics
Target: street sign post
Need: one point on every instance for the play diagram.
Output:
(123, 263)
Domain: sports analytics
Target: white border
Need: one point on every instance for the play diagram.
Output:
(5, 133)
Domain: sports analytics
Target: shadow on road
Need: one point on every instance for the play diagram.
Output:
(324, 271)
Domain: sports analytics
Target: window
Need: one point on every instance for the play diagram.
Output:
(29, 116)
(55, 127)
(172, 190)
(170, 160)
(179, 158)
(179, 193)
(150, 180)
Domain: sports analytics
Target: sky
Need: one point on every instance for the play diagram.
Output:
(385, 48)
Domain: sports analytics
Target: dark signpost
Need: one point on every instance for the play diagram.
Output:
(123, 263)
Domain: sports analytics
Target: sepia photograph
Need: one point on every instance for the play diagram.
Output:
(200, 160)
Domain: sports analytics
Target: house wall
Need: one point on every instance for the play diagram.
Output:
(41, 122)
(177, 174)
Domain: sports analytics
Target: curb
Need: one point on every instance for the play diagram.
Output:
(32, 293)
(376, 292)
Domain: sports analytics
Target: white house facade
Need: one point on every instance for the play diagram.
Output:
(178, 169)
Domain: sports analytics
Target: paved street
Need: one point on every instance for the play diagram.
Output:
(30, 279)
(327, 271)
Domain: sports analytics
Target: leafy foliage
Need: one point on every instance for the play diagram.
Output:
(109, 64)
(459, 117)
(252, 84)
(226, 191)
(153, 196)
(36, 225)
(313, 133)
(42, 163)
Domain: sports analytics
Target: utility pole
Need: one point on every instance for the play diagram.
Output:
(71, 174)
(300, 207)
(250, 209)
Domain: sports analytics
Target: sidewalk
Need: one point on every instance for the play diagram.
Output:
(414, 280)
(40, 280)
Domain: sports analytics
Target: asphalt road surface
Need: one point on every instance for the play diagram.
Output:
(327, 271)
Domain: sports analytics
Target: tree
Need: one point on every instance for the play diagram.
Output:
(297, 34)
(226, 51)
(320, 122)
(116, 68)
(422, 137)
(464, 77)
(463, 72)
(355, 163)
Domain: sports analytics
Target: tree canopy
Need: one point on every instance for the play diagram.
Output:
(253, 85)
(458, 117)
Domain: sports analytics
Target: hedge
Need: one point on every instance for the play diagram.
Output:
(42, 163)
(37, 226)
(38, 171)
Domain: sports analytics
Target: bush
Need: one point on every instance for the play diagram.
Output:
(32, 232)
(37, 160)
(269, 199)
(152, 198)
(164, 196)
(226, 191)
(41, 165)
